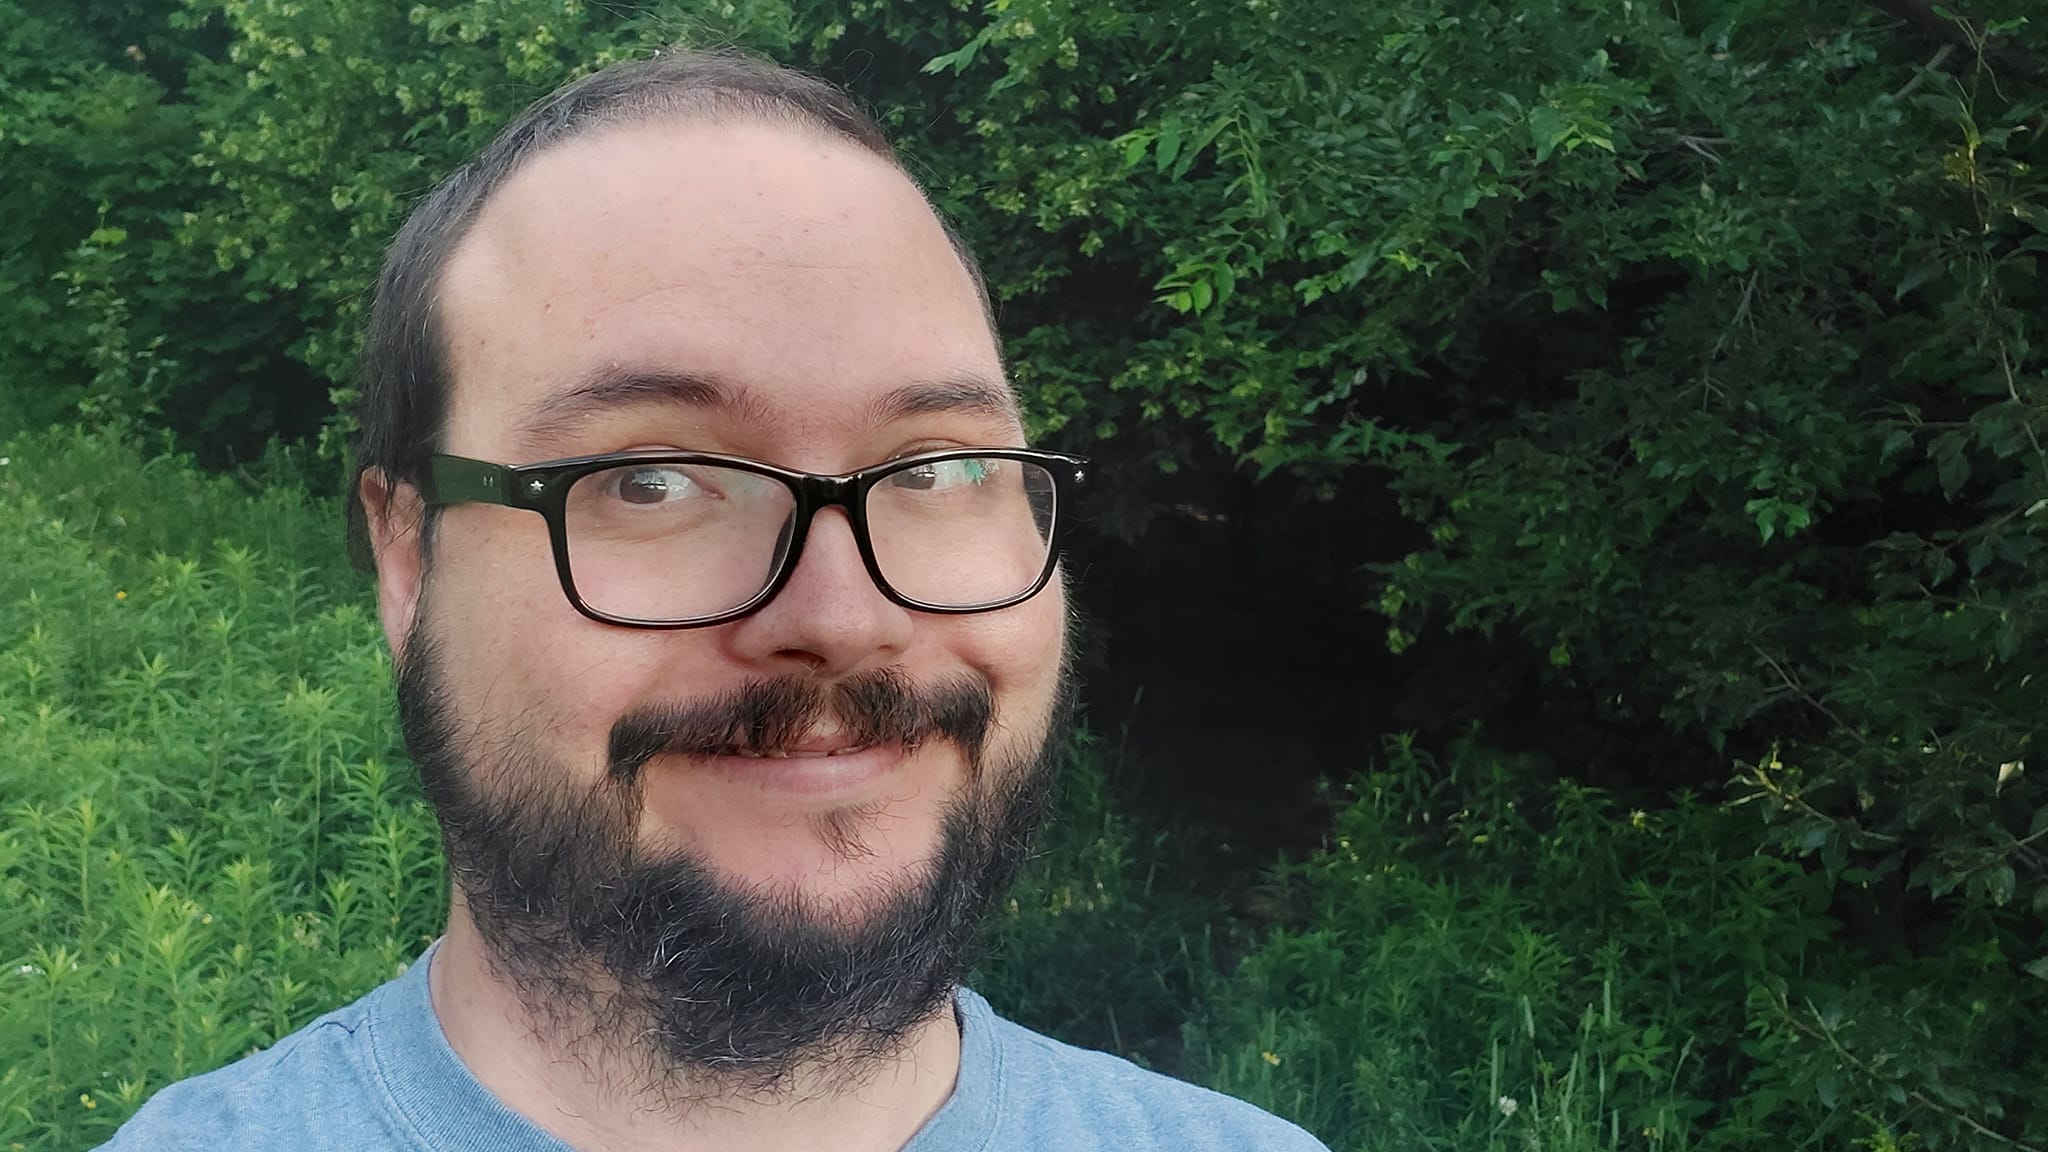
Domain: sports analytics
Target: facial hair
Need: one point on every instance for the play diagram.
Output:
(646, 954)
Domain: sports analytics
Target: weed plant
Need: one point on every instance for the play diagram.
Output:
(1479, 962)
(209, 834)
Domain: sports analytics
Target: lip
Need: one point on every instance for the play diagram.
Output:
(807, 773)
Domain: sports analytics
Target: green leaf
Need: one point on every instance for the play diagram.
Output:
(1812, 837)
(1953, 470)
(1226, 282)
(1548, 128)
(1169, 144)
(1999, 885)
(1980, 555)
(1917, 277)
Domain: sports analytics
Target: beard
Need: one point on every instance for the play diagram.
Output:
(645, 956)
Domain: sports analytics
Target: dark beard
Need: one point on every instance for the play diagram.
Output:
(647, 955)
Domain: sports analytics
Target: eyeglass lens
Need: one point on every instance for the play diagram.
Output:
(674, 542)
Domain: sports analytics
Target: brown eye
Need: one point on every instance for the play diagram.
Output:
(653, 485)
(920, 478)
(940, 474)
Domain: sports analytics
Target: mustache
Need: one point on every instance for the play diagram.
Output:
(883, 706)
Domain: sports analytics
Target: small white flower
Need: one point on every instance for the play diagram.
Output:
(5, 461)
(1508, 1105)
(30, 970)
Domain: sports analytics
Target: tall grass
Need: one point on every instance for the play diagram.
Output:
(207, 837)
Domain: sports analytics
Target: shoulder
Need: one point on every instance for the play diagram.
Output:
(308, 1091)
(1098, 1099)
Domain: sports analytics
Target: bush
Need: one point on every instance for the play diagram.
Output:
(1481, 963)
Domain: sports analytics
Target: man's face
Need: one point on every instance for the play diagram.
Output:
(807, 283)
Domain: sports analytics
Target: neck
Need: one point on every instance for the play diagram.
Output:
(602, 1100)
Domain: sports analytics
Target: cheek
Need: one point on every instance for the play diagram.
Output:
(521, 661)
(1022, 652)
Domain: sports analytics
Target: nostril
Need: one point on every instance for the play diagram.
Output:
(811, 661)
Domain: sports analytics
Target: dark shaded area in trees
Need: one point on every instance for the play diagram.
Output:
(1230, 658)
(1248, 598)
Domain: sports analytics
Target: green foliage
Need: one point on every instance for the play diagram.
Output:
(207, 837)
(209, 200)
(1103, 942)
(1705, 345)
(1479, 962)
(210, 835)
(1797, 514)
(1701, 345)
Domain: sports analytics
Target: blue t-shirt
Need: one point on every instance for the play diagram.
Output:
(379, 1075)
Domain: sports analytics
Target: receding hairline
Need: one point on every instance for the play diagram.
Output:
(403, 389)
(707, 115)
(697, 108)
(493, 252)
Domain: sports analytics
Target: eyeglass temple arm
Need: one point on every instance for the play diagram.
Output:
(460, 480)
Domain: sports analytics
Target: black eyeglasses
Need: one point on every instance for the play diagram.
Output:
(689, 539)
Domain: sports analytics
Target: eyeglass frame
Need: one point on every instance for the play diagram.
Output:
(544, 488)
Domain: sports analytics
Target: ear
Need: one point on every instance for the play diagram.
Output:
(395, 513)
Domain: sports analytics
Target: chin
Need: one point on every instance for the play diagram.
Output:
(828, 846)
(838, 863)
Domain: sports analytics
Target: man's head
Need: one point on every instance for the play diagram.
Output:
(704, 255)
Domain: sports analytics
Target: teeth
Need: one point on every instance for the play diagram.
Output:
(786, 754)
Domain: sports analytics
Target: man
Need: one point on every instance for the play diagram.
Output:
(730, 638)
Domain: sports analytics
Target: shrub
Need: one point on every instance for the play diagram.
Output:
(1479, 962)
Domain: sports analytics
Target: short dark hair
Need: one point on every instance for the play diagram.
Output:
(402, 392)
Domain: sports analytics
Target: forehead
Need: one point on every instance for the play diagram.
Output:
(804, 275)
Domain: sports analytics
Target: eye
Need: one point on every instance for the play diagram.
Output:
(941, 474)
(654, 484)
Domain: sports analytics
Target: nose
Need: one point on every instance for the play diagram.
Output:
(829, 619)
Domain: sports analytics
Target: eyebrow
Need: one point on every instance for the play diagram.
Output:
(614, 386)
(962, 394)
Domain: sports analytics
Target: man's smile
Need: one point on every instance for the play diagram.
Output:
(795, 772)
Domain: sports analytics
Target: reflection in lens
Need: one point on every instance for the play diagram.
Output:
(963, 533)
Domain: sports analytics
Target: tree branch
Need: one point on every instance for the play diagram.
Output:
(1826, 1035)
(2004, 59)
